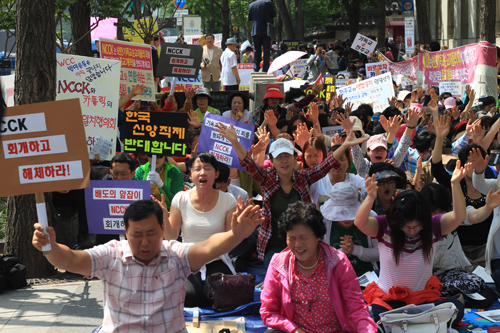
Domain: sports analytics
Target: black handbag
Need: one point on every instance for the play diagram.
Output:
(230, 291)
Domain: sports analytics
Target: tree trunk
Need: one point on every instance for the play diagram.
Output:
(211, 21)
(424, 26)
(287, 21)
(279, 27)
(119, 33)
(299, 20)
(35, 82)
(80, 25)
(354, 13)
(487, 21)
(225, 21)
(381, 25)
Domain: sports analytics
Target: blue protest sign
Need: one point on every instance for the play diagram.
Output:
(107, 200)
(211, 141)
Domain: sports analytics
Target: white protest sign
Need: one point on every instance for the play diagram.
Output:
(244, 70)
(378, 89)
(455, 88)
(372, 67)
(8, 89)
(364, 44)
(332, 130)
(96, 82)
(299, 67)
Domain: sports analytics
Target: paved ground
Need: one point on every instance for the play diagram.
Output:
(74, 307)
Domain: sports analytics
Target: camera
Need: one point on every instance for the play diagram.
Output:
(323, 52)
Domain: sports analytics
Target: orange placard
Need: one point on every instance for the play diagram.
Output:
(43, 148)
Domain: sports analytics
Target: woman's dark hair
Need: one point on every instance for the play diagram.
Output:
(391, 111)
(313, 142)
(435, 46)
(410, 206)
(142, 209)
(463, 154)
(384, 166)
(347, 154)
(237, 94)
(438, 196)
(424, 140)
(304, 213)
(190, 138)
(363, 116)
(204, 157)
(292, 94)
(366, 109)
(290, 129)
(176, 97)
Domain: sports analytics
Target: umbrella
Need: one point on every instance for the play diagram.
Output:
(284, 60)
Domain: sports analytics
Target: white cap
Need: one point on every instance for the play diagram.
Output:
(281, 146)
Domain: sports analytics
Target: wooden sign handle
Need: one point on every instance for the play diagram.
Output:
(41, 211)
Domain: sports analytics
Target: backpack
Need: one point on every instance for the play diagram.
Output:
(12, 273)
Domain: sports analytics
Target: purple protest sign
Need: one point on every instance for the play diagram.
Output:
(107, 200)
(211, 141)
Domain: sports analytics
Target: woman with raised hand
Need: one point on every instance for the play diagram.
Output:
(407, 237)
(282, 185)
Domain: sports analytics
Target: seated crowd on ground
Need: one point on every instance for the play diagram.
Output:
(404, 191)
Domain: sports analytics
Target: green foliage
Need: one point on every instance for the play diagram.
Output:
(8, 15)
(3, 216)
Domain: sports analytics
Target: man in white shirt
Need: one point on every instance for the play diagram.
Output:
(230, 76)
(211, 64)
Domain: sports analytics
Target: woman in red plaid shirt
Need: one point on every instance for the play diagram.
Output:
(282, 185)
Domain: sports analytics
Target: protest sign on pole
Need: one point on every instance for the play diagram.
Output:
(409, 35)
(364, 44)
(107, 200)
(379, 89)
(244, 70)
(299, 67)
(383, 67)
(408, 68)
(155, 132)
(455, 88)
(136, 65)
(43, 148)
(179, 60)
(211, 141)
(95, 82)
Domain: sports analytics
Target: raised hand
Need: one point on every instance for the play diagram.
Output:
(316, 89)
(333, 117)
(189, 93)
(493, 199)
(433, 106)
(245, 220)
(271, 118)
(228, 133)
(371, 186)
(412, 117)
(442, 126)
(41, 239)
(337, 140)
(340, 100)
(313, 112)
(139, 89)
(479, 164)
(348, 108)
(460, 172)
(469, 128)
(393, 101)
(302, 134)
(351, 140)
(193, 119)
(478, 133)
(345, 122)
(163, 206)
(455, 112)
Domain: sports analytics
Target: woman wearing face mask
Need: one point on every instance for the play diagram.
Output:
(310, 286)
(407, 237)
(165, 178)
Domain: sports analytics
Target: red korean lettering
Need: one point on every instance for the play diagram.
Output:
(112, 194)
(23, 147)
(123, 194)
(105, 194)
(49, 171)
(28, 173)
(45, 145)
(130, 194)
(34, 146)
(39, 173)
(137, 195)
(12, 148)
(98, 193)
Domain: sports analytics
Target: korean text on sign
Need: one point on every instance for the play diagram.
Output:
(364, 44)
(211, 141)
(151, 132)
(107, 200)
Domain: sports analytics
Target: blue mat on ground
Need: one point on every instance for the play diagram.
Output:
(472, 318)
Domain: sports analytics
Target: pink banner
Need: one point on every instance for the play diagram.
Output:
(408, 68)
(458, 64)
(105, 29)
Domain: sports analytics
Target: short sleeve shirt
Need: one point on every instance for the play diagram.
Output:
(228, 62)
(138, 297)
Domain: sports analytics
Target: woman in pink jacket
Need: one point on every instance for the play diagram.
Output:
(310, 286)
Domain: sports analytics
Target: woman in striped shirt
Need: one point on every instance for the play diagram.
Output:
(407, 237)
